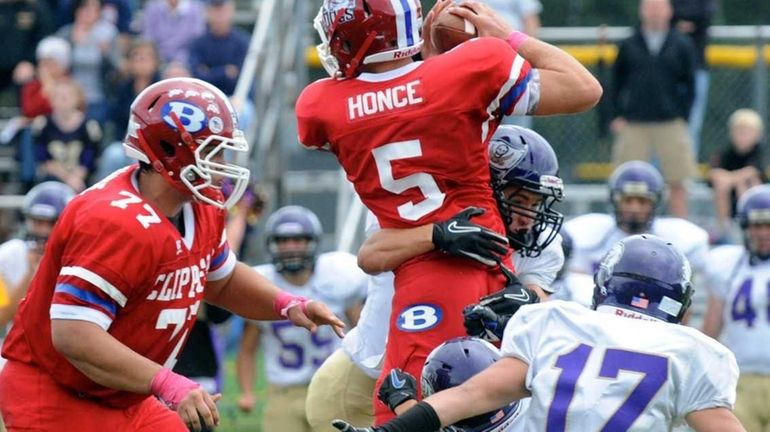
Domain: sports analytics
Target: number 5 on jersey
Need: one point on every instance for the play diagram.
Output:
(384, 156)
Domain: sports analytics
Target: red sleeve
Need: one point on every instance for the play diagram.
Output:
(515, 86)
(310, 127)
(102, 263)
(33, 101)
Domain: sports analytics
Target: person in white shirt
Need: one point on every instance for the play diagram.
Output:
(738, 313)
(291, 357)
(624, 366)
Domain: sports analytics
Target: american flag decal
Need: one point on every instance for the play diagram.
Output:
(640, 302)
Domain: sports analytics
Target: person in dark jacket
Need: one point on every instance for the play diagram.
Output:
(654, 87)
(218, 55)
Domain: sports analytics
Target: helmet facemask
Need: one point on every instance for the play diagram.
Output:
(203, 178)
(546, 221)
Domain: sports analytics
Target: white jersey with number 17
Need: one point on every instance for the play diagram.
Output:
(591, 371)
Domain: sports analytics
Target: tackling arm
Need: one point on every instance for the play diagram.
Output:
(498, 385)
(389, 248)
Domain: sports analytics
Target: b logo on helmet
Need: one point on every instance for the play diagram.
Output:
(193, 118)
(419, 317)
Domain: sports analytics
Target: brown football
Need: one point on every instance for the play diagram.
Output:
(449, 30)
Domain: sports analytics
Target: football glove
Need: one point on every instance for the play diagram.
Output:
(460, 237)
(344, 426)
(488, 318)
(398, 388)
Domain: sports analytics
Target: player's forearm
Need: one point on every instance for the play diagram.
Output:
(389, 248)
(244, 370)
(567, 86)
(714, 420)
(101, 357)
(246, 293)
(495, 387)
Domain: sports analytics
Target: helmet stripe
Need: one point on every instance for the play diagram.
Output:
(408, 21)
(399, 12)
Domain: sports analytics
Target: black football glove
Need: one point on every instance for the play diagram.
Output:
(344, 426)
(460, 237)
(398, 388)
(488, 318)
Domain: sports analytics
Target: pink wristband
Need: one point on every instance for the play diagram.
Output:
(286, 301)
(516, 38)
(171, 387)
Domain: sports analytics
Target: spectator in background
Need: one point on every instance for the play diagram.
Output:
(53, 61)
(94, 52)
(116, 12)
(23, 23)
(66, 142)
(172, 25)
(737, 167)
(143, 69)
(218, 55)
(523, 15)
(654, 85)
(693, 18)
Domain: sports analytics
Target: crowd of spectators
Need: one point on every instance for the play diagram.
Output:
(73, 67)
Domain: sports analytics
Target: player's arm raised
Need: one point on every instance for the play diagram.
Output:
(566, 85)
(250, 295)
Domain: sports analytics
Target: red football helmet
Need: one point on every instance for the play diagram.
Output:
(355, 32)
(182, 128)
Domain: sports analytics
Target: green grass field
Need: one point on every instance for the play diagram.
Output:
(232, 420)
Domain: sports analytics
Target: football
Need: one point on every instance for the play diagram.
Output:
(449, 30)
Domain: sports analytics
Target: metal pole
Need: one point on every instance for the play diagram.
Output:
(760, 74)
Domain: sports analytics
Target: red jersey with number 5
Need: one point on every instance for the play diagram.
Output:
(413, 141)
(116, 261)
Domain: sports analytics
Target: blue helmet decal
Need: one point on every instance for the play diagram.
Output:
(646, 275)
(192, 117)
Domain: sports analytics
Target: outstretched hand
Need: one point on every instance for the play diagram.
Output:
(314, 314)
(487, 21)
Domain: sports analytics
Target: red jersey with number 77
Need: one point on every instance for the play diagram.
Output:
(413, 141)
(116, 261)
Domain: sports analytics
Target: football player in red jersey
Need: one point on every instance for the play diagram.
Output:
(124, 273)
(412, 137)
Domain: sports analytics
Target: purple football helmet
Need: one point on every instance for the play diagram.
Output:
(520, 157)
(454, 362)
(754, 209)
(293, 222)
(47, 200)
(647, 275)
(637, 179)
